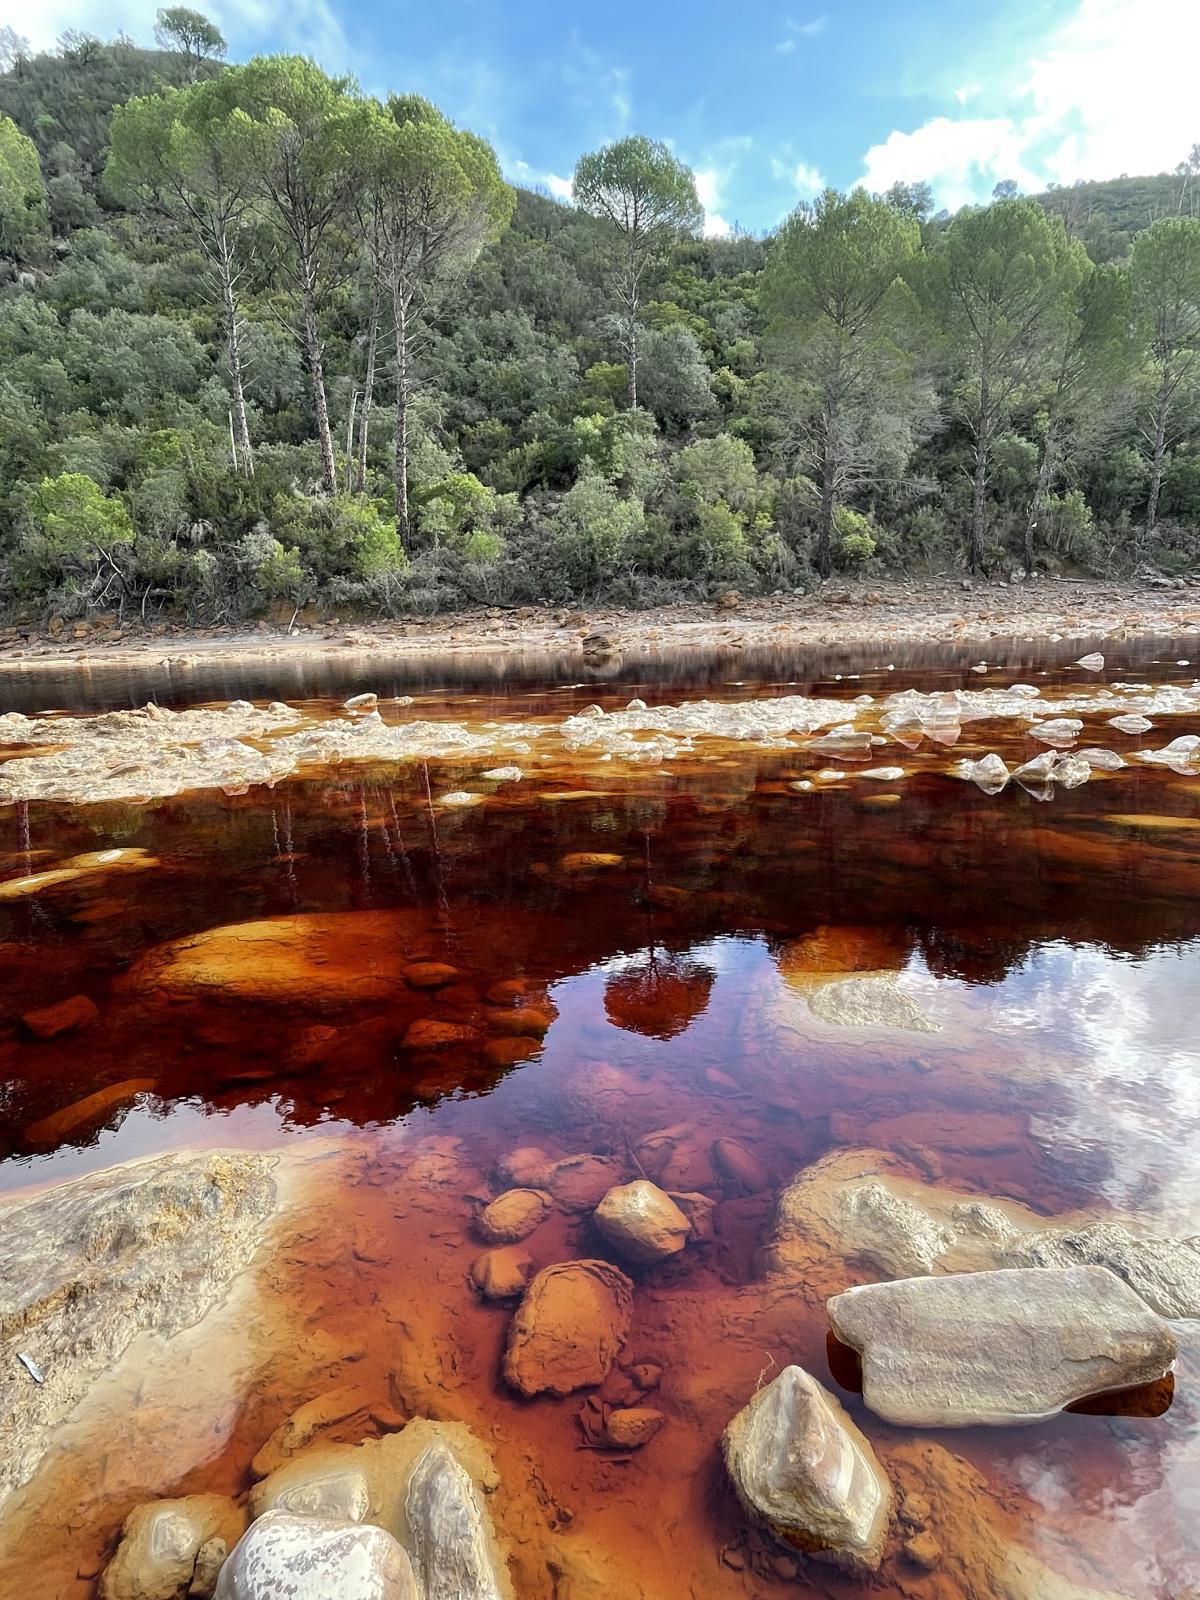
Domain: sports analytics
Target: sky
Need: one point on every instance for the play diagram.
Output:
(767, 103)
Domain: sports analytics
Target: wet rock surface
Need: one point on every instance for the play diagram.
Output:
(145, 1248)
(569, 1328)
(513, 1216)
(801, 1467)
(861, 1209)
(998, 1347)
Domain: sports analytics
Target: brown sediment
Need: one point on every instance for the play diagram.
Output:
(266, 975)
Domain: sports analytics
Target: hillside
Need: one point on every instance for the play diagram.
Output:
(185, 429)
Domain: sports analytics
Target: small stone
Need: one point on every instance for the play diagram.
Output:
(502, 1273)
(513, 1215)
(210, 1558)
(361, 702)
(63, 1017)
(923, 1551)
(429, 974)
(786, 1568)
(579, 1183)
(590, 861)
(642, 1222)
(526, 1168)
(915, 1511)
(644, 1375)
(428, 1033)
(734, 1558)
(739, 1168)
(631, 1427)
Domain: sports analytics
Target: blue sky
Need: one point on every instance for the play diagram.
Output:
(766, 102)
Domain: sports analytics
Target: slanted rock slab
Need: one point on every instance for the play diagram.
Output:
(803, 1469)
(998, 1347)
(569, 1328)
(449, 1532)
(313, 1558)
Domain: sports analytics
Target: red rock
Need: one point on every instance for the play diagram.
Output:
(64, 1017)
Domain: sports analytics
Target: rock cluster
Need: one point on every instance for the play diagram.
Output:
(397, 1518)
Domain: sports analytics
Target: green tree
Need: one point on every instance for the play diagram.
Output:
(431, 197)
(306, 170)
(838, 312)
(190, 155)
(1166, 289)
(192, 34)
(24, 220)
(650, 198)
(1003, 275)
(1087, 351)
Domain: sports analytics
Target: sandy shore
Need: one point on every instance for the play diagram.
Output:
(841, 615)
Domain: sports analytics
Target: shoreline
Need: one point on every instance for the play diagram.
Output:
(847, 617)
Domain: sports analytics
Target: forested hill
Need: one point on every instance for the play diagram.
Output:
(265, 340)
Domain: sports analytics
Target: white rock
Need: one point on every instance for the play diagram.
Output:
(1133, 723)
(312, 1558)
(998, 1347)
(451, 1541)
(800, 1466)
(1092, 662)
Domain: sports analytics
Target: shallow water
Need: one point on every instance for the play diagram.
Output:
(1054, 946)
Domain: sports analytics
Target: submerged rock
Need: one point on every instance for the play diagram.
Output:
(631, 1427)
(642, 1222)
(998, 1347)
(161, 1542)
(569, 1328)
(449, 1532)
(853, 1206)
(579, 1183)
(802, 1468)
(86, 1266)
(63, 1017)
(502, 1273)
(513, 1216)
(314, 1558)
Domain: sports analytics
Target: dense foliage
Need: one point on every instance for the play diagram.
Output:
(265, 340)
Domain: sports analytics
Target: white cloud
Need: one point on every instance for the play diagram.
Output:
(963, 159)
(807, 180)
(797, 31)
(560, 188)
(708, 191)
(1110, 90)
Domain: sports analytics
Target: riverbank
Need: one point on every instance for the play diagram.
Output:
(845, 615)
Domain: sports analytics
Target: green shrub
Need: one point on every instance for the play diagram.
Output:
(854, 537)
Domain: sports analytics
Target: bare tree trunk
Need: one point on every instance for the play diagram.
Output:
(631, 350)
(400, 316)
(825, 515)
(983, 434)
(1039, 494)
(364, 421)
(316, 373)
(241, 427)
(1162, 406)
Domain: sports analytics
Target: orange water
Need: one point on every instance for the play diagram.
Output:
(1056, 949)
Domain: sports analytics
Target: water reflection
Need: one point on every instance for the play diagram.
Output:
(639, 967)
